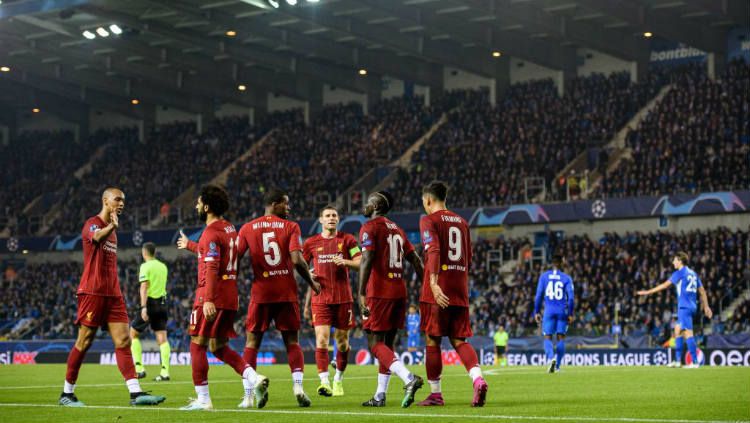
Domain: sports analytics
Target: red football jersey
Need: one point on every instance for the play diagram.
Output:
(447, 251)
(99, 261)
(271, 240)
(334, 280)
(217, 263)
(389, 243)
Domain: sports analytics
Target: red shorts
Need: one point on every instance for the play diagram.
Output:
(222, 327)
(340, 316)
(385, 314)
(97, 310)
(452, 321)
(284, 315)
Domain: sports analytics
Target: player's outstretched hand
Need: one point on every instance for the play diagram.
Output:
(363, 307)
(440, 298)
(114, 220)
(182, 241)
(538, 318)
(315, 287)
(339, 261)
(144, 314)
(209, 310)
(707, 311)
(642, 292)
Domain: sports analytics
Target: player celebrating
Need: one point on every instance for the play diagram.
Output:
(216, 300)
(688, 284)
(275, 251)
(100, 302)
(153, 300)
(444, 301)
(332, 254)
(557, 289)
(382, 294)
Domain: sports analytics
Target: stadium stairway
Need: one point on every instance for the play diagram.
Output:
(617, 145)
(186, 199)
(727, 313)
(49, 205)
(379, 178)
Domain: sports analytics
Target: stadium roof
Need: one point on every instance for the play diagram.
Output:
(183, 53)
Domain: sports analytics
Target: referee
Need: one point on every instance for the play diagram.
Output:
(153, 311)
(501, 346)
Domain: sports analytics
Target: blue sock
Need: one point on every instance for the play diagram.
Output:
(548, 349)
(560, 352)
(693, 349)
(678, 346)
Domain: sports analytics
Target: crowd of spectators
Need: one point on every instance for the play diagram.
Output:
(606, 272)
(315, 163)
(173, 158)
(35, 163)
(696, 140)
(486, 152)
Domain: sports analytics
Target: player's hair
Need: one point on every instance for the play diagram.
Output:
(215, 198)
(557, 260)
(274, 195)
(328, 207)
(150, 248)
(385, 201)
(109, 189)
(437, 189)
(682, 256)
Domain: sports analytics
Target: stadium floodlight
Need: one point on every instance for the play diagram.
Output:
(241, 87)
(89, 35)
(102, 32)
(363, 72)
(496, 54)
(115, 29)
(4, 69)
(274, 4)
(231, 33)
(134, 102)
(36, 110)
(648, 34)
(313, 1)
(291, 2)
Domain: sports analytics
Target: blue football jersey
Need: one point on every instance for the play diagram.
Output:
(412, 323)
(556, 288)
(687, 282)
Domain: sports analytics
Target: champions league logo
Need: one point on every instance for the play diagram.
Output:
(599, 209)
(12, 244)
(660, 358)
(137, 238)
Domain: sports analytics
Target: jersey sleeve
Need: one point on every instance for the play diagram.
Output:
(674, 278)
(307, 250)
(367, 237)
(88, 231)
(211, 244)
(295, 240)
(143, 274)
(351, 246)
(431, 244)
(242, 245)
(539, 294)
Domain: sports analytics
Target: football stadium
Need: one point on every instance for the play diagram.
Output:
(373, 210)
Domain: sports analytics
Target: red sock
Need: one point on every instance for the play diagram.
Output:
(321, 359)
(250, 355)
(75, 359)
(296, 358)
(342, 359)
(233, 359)
(384, 355)
(434, 363)
(199, 362)
(125, 363)
(468, 355)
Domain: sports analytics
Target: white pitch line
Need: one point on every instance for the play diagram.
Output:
(387, 414)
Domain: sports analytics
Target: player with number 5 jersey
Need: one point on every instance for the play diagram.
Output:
(556, 288)
(275, 247)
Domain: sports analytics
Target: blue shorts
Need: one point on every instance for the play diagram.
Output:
(555, 323)
(412, 341)
(685, 318)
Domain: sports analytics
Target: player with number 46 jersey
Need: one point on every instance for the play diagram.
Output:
(556, 287)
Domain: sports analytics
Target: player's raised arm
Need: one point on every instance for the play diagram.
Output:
(104, 232)
(184, 243)
(661, 287)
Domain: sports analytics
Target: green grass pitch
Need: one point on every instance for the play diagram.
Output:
(585, 394)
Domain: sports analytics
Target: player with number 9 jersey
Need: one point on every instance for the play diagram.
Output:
(217, 280)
